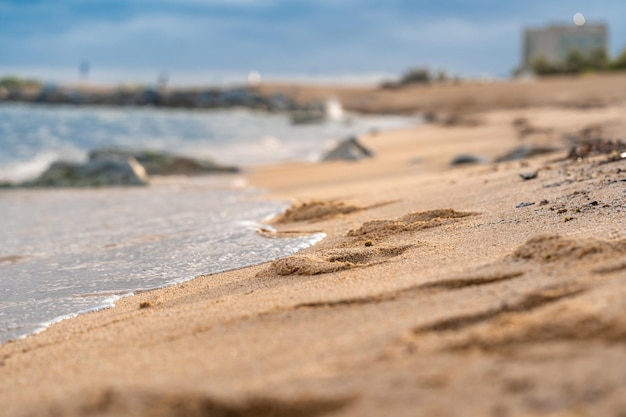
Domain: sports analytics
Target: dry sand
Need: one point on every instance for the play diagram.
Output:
(585, 91)
(436, 293)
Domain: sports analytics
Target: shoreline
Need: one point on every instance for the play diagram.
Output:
(432, 280)
(584, 91)
(118, 246)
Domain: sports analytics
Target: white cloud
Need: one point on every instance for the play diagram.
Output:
(123, 32)
(452, 31)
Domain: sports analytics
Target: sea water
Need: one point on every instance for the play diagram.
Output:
(64, 252)
(33, 136)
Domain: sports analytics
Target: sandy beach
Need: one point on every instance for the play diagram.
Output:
(440, 290)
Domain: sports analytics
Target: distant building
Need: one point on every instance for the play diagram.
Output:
(554, 42)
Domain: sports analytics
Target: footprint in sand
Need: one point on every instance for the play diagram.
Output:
(559, 250)
(369, 245)
(579, 310)
(332, 260)
(413, 222)
(314, 211)
(526, 303)
(580, 316)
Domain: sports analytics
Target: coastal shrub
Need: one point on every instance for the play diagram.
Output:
(416, 76)
(11, 82)
(599, 59)
(575, 62)
(541, 66)
(620, 62)
(420, 76)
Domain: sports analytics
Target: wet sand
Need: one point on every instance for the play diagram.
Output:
(439, 291)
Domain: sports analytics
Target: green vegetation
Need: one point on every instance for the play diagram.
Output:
(577, 63)
(419, 76)
(416, 76)
(620, 62)
(14, 83)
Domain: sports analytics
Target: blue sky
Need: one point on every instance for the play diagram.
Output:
(209, 40)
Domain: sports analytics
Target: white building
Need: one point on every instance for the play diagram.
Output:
(554, 42)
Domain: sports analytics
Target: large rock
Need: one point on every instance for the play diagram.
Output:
(165, 163)
(348, 150)
(98, 171)
(307, 117)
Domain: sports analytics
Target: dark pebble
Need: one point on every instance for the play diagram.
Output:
(467, 159)
(528, 175)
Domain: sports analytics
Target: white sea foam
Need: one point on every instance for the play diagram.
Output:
(28, 169)
(105, 304)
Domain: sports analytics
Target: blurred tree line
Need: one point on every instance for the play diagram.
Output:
(420, 76)
(576, 63)
(14, 83)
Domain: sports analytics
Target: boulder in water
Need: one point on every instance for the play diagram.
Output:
(165, 163)
(307, 116)
(100, 171)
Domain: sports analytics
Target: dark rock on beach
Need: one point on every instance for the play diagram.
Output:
(529, 175)
(348, 150)
(526, 151)
(165, 163)
(467, 159)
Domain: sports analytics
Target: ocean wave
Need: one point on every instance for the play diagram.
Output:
(28, 169)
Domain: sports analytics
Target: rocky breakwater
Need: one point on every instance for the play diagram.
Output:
(119, 167)
(197, 98)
